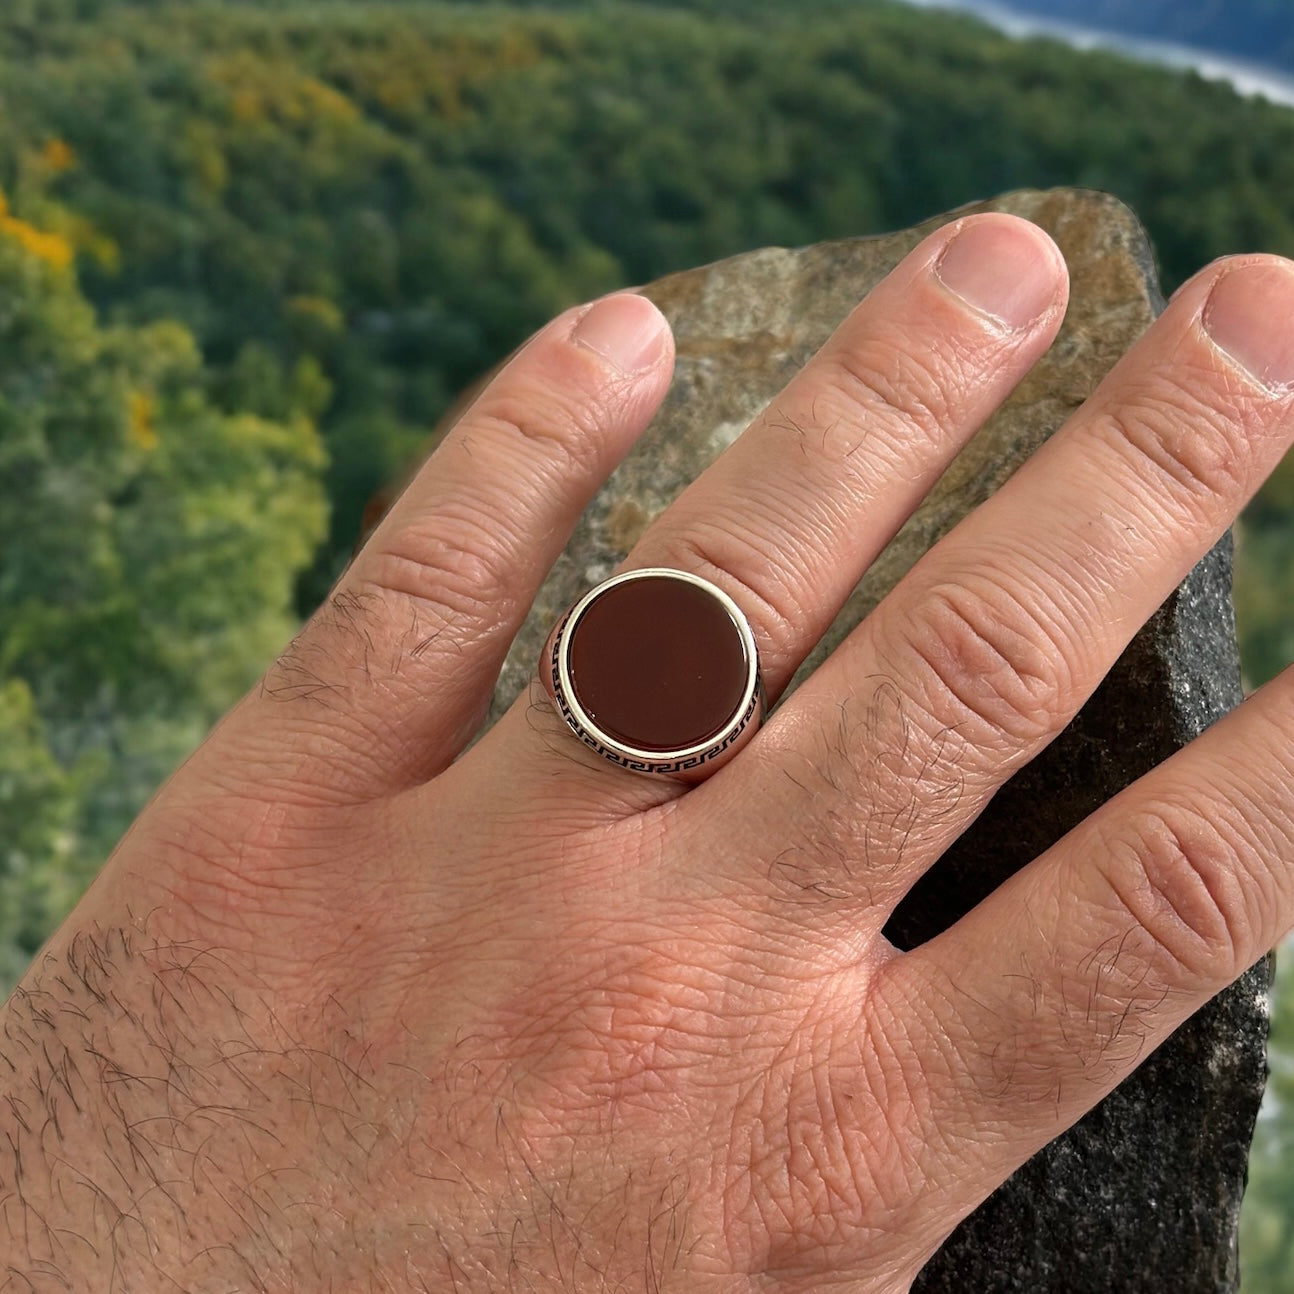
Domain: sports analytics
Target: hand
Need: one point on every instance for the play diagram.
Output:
(347, 1011)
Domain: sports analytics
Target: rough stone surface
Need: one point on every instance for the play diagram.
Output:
(1144, 1193)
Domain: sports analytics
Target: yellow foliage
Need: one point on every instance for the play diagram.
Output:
(319, 310)
(418, 74)
(261, 90)
(205, 156)
(69, 233)
(52, 248)
(246, 105)
(406, 79)
(84, 237)
(140, 430)
(326, 101)
(58, 155)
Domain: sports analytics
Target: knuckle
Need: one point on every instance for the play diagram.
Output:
(562, 429)
(917, 387)
(1178, 872)
(1189, 444)
(451, 564)
(772, 604)
(989, 666)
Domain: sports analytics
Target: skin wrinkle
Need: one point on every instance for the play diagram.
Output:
(475, 596)
(815, 520)
(986, 666)
(339, 735)
(1195, 424)
(826, 451)
(1093, 1011)
(953, 395)
(565, 442)
(579, 440)
(793, 1147)
(892, 380)
(820, 438)
(713, 551)
(1188, 468)
(1171, 874)
(1058, 604)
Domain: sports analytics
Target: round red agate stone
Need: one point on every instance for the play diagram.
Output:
(658, 664)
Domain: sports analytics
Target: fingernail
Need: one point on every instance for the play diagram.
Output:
(1002, 270)
(625, 329)
(1250, 316)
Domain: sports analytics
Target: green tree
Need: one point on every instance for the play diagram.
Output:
(38, 805)
(149, 545)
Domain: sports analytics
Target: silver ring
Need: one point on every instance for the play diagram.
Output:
(657, 671)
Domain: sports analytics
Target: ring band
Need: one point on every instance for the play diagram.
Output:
(657, 671)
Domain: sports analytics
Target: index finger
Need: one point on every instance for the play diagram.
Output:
(392, 676)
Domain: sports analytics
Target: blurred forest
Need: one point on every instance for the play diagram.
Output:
(249, 251)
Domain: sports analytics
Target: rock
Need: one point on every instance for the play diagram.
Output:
(1144, 1193)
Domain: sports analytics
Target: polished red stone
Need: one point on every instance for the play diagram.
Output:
(658, 664)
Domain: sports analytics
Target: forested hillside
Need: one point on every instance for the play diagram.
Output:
(1261, 30)
(355, 208)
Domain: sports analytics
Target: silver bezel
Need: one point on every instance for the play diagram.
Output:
(652, 760)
